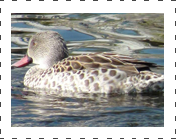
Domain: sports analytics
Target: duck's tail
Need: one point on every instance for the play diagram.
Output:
(144, 82)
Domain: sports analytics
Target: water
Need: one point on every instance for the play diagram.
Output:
(85, 33)
(72, 35)
(127, 32)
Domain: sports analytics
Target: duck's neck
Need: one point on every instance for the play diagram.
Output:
(48, 64)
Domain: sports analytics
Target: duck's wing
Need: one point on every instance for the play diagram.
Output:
(105, 60)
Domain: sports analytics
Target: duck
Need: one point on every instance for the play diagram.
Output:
(100, 72)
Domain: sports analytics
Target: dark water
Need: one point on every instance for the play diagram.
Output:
(84, 33)
(127, 32)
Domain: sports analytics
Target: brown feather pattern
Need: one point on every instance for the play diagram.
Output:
(103, 60)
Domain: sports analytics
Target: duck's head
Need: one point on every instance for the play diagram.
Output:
(44, 49)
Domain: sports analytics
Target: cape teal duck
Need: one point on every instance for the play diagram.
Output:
(90, 73)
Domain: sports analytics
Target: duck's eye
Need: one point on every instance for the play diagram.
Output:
(33, 43)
